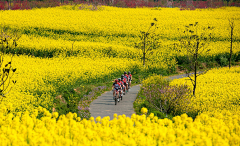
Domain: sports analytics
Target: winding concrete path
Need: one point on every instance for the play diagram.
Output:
(104, 105)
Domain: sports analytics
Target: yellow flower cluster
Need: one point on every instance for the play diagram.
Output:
(218, 91)
(119, 26)
(77, 48)
(120, 20)
(144, 110)
(40, 80)
(26, 129)
(154, 79)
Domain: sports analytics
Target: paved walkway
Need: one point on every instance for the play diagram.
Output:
(104, 105)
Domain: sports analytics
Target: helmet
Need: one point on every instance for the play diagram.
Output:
(116, 80)
(122, 76)
(129, 72)
(125, 72)
(119, 79)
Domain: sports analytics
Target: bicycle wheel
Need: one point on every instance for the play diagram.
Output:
(116, 100)
(118, 97)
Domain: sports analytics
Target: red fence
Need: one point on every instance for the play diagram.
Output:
(17, 4)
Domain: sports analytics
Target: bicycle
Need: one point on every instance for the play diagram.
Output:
(116, 97)
(129, 79)
(120, 94)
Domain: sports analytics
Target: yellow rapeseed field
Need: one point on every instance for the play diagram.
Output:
(218, 91)
(40, 80)
(117, 26)
(139, 130)
(92, 47)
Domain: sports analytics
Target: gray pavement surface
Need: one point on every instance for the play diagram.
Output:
(177, 76)
(104, 105)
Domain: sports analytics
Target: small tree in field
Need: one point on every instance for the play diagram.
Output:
(7, 71)
(149, 41)
(231, 24)
(193, 43)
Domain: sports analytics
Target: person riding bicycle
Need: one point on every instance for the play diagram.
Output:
(116, 87)
(121, 84)
(127, 79)
(123, 80)
(130, 79)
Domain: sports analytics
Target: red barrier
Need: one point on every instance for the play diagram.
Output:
(22, 5)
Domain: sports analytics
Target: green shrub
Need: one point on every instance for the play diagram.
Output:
(163, 100)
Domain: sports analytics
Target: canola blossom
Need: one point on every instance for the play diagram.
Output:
(116, 26)
(218, 91)
(141, 130)
(78, 47)
(40, 80)
(32, 45)
(120, 21)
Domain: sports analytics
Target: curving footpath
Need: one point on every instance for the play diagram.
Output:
(104, 105)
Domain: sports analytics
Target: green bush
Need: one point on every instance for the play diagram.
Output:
(163, 100)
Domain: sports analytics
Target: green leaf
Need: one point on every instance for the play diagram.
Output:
(6, 70)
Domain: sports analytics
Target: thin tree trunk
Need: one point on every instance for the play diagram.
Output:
(195, 77)
(144, 53)
(144, 59)
(195, 70)
(231, 48)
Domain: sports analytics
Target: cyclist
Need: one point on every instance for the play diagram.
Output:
(121, 84)
(130, 79)
(116, 87)
(123, 80)
(127, 79)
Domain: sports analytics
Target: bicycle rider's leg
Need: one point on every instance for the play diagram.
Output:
(114, 92)
(125, 87)
(117, 95)
(122, 91)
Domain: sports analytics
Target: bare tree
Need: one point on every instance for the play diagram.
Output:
(193, 43)
(231, 24)
(149, 40)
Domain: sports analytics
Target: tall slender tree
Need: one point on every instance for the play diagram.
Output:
(232, 25)
(193, 43)
(148, 40)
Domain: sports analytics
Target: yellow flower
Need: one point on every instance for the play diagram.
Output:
(98, 119)
(115, 115)
(144, 110)
(55, 115)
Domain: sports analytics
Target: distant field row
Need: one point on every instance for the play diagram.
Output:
(119, 22)
(113, 32)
